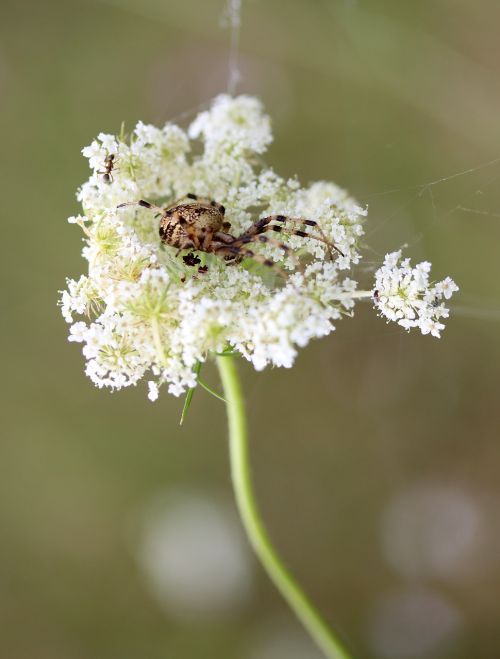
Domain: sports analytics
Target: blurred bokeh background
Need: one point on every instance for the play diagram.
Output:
(376, 458)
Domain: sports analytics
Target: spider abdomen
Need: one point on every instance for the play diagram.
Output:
(190, 223)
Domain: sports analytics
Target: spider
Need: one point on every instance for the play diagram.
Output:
(200, 224)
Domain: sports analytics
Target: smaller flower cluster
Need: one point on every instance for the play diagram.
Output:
(404, 294)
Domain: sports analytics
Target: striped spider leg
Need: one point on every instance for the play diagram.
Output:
(266, 224)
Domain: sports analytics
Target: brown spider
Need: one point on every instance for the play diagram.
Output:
(201, 225)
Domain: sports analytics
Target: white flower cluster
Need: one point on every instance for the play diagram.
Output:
(149, 313)
(403, 294)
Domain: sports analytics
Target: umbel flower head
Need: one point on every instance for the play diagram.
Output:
(149, 312)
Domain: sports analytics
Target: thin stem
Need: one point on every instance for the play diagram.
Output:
(361, 295)
(211, 391)
(189, 395)
(254, 527)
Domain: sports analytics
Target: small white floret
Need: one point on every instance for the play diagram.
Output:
(152, 391)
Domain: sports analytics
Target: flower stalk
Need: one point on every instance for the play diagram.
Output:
(254, 527)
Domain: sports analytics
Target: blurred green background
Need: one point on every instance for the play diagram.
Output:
(376, 457)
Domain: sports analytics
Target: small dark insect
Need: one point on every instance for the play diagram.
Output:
(109, 163)
(201, 225)
(376, 296)
(191, 259)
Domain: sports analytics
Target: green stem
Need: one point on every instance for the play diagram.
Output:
(245, 499)
(211, 391)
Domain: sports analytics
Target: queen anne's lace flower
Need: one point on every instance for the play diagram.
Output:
(150, 314)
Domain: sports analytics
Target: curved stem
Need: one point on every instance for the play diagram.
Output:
(245, 499)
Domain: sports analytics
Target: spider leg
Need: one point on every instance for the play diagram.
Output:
(175, 203)
(207, 240)
(223, 237)
(261, 238)
(145, 204)
(264, 224)
(191, 239)
(206, 202)
(191, 234)
(231, 250)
